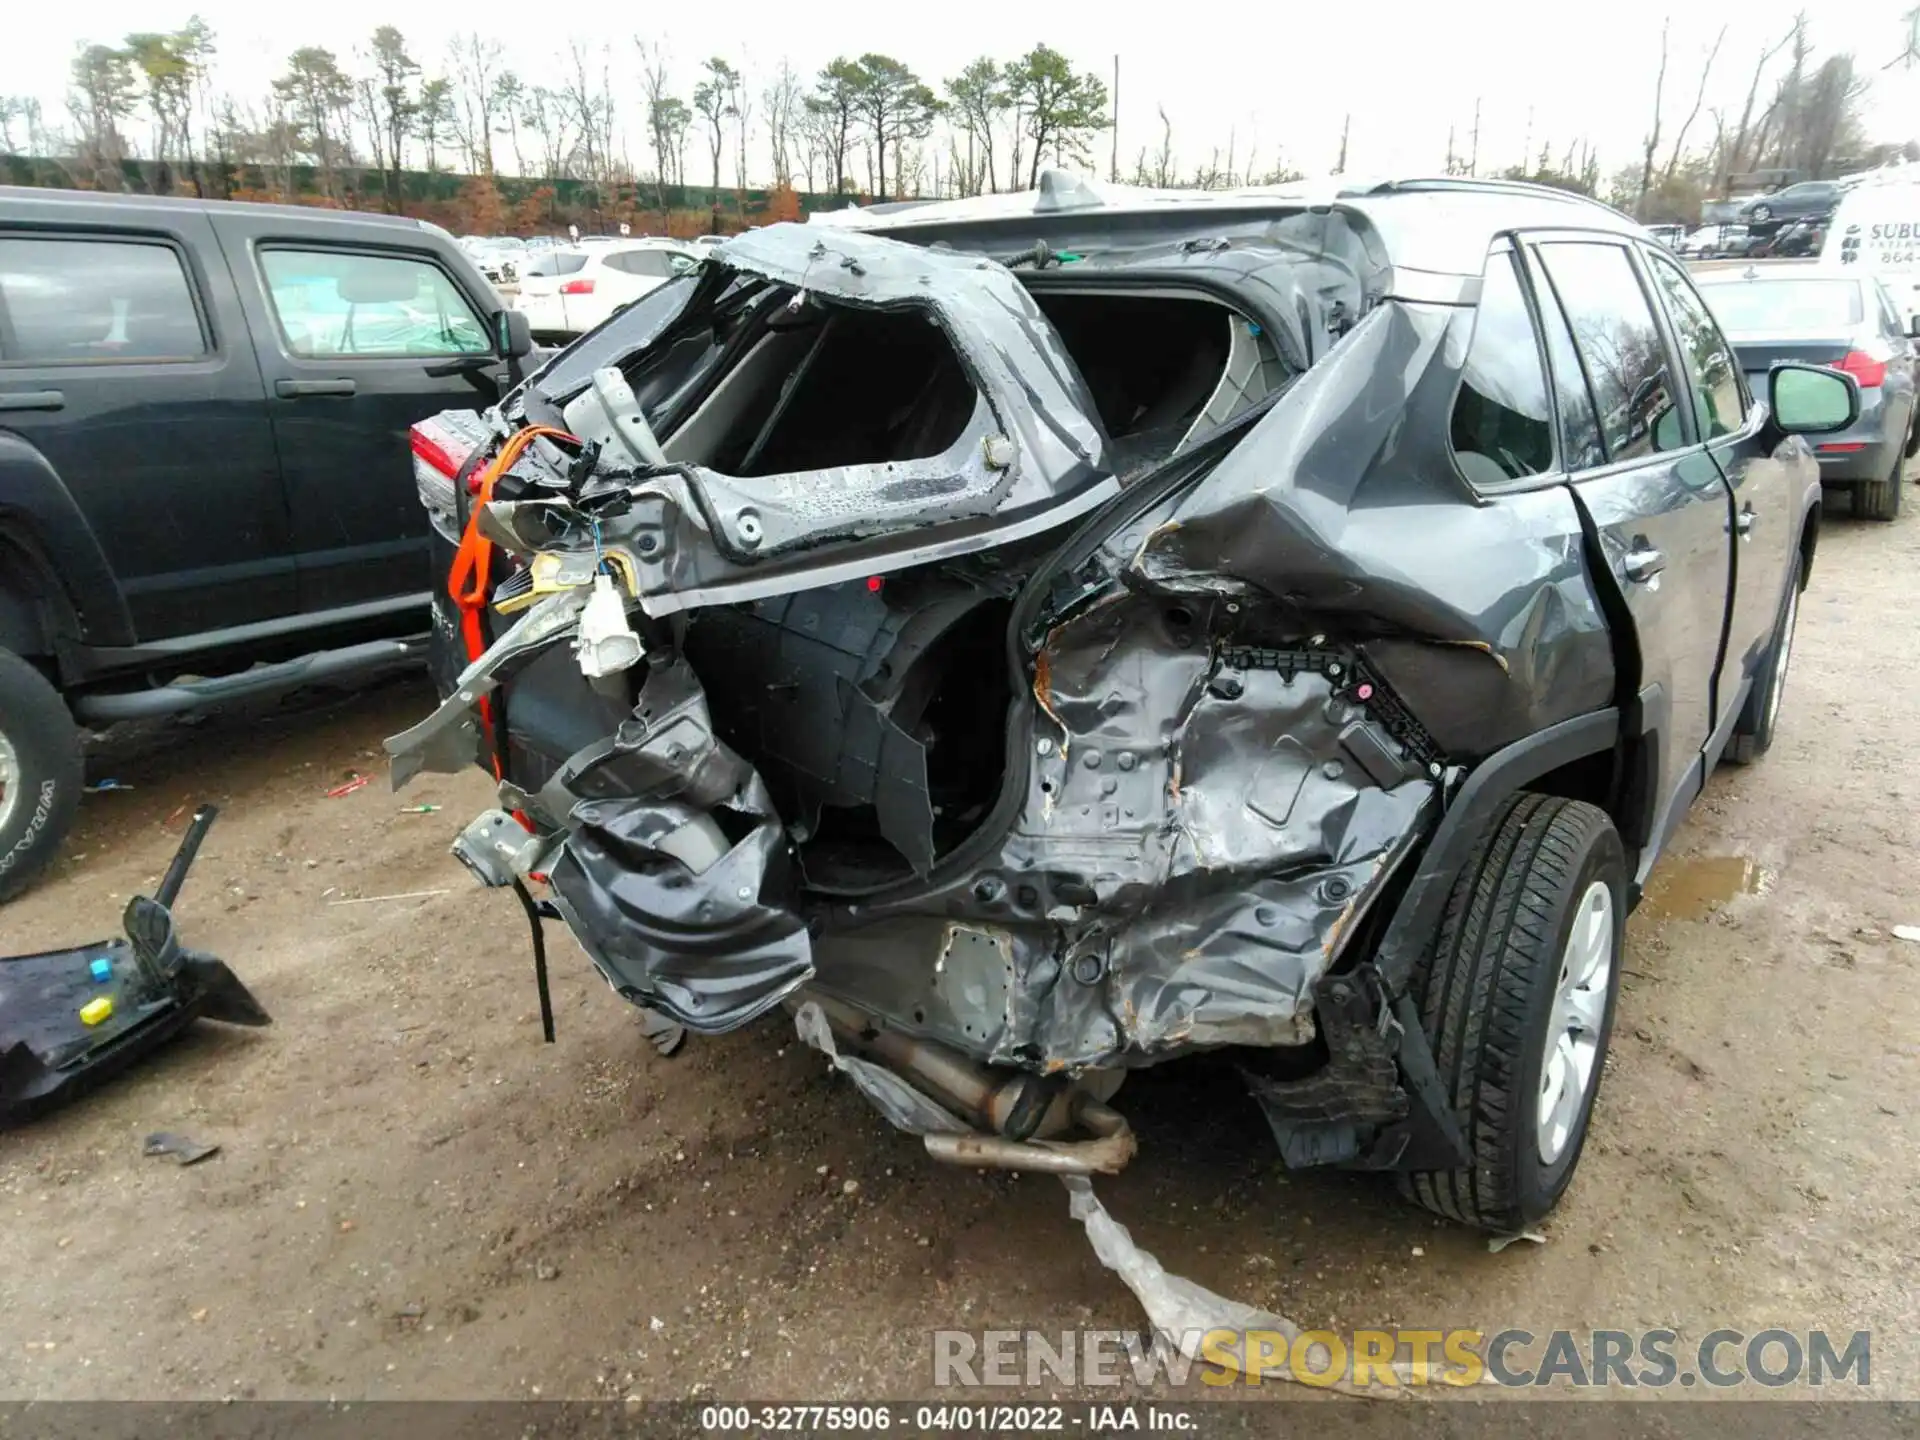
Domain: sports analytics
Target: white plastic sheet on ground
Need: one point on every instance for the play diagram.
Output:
(1185, 1311)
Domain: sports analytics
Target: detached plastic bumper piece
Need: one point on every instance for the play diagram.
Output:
(153, 988)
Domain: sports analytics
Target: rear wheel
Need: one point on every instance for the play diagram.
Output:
(1880, 499)
(39, 773)
(1517, 998)
(1763, 213)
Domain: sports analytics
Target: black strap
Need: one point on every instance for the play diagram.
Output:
(539, 933)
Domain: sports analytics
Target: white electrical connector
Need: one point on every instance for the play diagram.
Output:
(606, 644)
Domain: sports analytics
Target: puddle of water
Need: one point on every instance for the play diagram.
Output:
(1693, 888)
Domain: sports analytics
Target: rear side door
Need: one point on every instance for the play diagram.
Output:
(1767, 490)
(357, 341)
(125, 363)
(1659, 505)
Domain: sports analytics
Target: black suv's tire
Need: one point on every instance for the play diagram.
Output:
(39, 773)
(1880, 499)
(1753, 732)
(1517, 992)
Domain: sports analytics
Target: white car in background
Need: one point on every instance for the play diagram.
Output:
(570, 290)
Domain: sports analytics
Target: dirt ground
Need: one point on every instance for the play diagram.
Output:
(415, 1198)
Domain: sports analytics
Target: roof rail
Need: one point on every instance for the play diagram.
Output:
(1419, 184)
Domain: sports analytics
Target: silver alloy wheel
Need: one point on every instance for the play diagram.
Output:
(1570, 1063)
(1777, 686)
(9, 780)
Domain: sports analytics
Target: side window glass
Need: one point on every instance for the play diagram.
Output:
(1580, 431)
(1619, 346)
(75, 301)
(1719, 407)
(1502, 425)
(330, 303)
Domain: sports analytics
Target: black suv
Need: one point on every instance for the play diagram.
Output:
(203, 461)
(1040, 636)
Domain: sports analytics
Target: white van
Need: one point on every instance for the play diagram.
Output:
(1877, 229)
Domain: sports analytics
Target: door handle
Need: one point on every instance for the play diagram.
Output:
(33, 400)
(300, 389)
(1644, 563)
(1743, 522)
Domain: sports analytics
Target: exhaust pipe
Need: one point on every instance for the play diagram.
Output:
(1018, 1114)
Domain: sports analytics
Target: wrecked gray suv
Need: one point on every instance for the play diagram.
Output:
(1036, 637)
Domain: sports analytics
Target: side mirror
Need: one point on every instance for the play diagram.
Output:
(512, 334)
(1811, 399)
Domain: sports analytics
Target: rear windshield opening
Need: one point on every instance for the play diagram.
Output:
(1164, 367)
(845, 387)
(1786, 304)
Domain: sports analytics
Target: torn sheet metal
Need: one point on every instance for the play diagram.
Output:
(1032, 455)
(675, 874)
(1325, 509)
(1202, 830)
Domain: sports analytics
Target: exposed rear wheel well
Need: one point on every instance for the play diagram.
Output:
(1592, 778)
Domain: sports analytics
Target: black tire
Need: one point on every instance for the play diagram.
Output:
(1489, 993)
(39, 773)
(1753, 732)
(1762, 213)
(1880, 499)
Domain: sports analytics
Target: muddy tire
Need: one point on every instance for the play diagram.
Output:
(1753, 732)
(39, 773)
(1880, 499)
(1517, 998)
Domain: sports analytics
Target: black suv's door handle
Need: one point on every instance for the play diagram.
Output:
(1643, 563)
(300, 389)
(33, 400)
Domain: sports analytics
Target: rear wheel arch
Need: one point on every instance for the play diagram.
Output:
(35, 611)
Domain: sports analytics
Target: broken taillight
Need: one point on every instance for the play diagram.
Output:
(576, 287)
(1864, 368)
(439, 450)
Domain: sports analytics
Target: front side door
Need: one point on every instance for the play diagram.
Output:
(1766, 489)
(357, 343)
(124, 362)
(1655, 496)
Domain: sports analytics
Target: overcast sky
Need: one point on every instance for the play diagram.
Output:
(1279, 78)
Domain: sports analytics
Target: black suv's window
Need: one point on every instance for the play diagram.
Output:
(1502, 419)
(1619, 344)
(1719, 406)
(332, 302)
(68, 301)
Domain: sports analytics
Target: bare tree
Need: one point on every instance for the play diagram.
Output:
(103, 95)
(977, 98)
(740, 100)
(547, 114)
(1653, 134)
(713, 99)
(1734, 154)
(835, 106)
(476, 68)
(509, 102)
(1699, 95)
(781, 102)
(589, 101)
